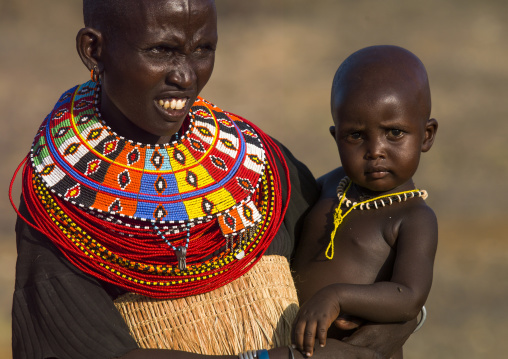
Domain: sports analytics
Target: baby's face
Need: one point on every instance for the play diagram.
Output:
(156, 61)
(379, 136)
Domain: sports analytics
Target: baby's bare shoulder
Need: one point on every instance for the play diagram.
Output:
(331, 179)
(418, 210)
(417, 221)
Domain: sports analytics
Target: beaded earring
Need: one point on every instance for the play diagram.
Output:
(94, 74)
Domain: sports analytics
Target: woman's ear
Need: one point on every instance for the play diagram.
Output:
(430, 134)
(89, 43)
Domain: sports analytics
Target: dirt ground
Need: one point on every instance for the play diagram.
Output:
(274, 66)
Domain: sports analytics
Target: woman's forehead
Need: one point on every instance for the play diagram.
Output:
(109, 14)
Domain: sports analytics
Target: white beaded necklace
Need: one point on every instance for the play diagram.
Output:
(377, 201)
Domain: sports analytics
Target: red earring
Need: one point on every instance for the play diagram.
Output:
(94, 74)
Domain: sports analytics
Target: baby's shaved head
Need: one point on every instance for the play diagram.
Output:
(391, 68)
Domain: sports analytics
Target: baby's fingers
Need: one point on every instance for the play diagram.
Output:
(322, 332)
(297, 333)
(309, 338)
(303, 336)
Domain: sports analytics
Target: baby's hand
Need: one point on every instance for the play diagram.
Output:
(314, 318)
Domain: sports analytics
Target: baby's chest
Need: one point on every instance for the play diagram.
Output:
(368, 230)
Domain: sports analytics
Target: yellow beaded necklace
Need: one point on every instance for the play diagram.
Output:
(338, 217)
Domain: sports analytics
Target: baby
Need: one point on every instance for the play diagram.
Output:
(369, 243)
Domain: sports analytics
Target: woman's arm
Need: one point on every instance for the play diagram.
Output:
(383, 339)
(58, 311)
(170, 354)
(334, 350)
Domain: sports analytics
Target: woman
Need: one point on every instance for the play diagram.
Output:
(151, 218)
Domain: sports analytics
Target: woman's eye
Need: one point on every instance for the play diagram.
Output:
(159, 49)
(203, 50)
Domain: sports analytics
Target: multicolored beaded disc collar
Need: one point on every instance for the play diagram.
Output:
(155, 215)
(213, 169)
(372, 203)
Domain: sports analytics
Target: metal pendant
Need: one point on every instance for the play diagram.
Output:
(181, 255)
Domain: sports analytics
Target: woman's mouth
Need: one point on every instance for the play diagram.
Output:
(173, 103)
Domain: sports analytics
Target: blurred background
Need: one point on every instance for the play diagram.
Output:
(275, 64)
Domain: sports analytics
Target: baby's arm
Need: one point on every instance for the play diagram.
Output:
(398, 300)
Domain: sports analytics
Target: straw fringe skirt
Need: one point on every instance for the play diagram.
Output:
(253, 312)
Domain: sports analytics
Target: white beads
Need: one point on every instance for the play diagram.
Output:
(377, 201)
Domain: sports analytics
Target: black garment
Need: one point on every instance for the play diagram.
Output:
(60, 312)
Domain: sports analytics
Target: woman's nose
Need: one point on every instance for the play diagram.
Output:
(181, 74)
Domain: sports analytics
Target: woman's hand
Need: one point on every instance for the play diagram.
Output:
(170, 354)
(335, 349)
(386, 339)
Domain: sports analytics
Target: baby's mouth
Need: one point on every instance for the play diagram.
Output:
(173, 103)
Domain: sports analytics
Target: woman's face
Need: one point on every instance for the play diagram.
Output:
(156, 59)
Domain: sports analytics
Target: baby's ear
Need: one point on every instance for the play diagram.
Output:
(430, 134)
(332, 131)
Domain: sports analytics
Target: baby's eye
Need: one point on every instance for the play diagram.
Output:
(355, 136)
(395, 132)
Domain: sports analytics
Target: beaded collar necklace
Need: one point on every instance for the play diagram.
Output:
(375, 203)
(214, 166)
(166, 220)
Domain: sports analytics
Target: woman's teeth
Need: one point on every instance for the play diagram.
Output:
(174, 104)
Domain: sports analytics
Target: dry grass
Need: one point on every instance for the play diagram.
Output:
(254, 311)
(274, 66)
